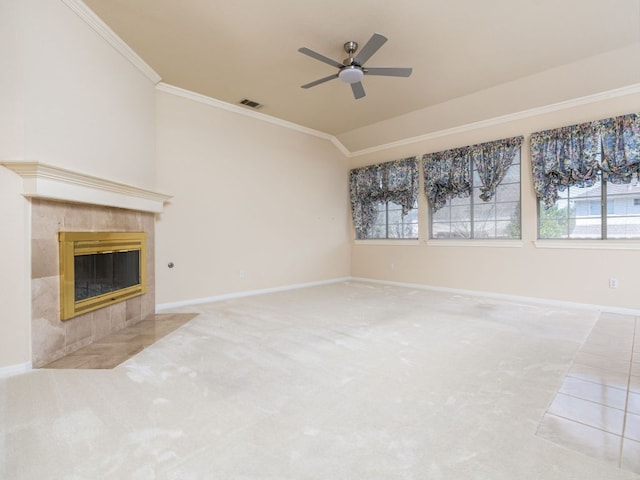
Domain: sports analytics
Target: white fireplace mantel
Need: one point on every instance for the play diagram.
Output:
(47, 181)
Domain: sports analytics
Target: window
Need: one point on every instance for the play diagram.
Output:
(586, 179)
(474, 218)
(474, 192)
(384, 200)
(389, 223)
(602, 211)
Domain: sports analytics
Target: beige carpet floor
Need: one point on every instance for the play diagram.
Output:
(343, 381)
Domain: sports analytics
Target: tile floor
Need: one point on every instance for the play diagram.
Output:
(112, 350)
(597, 409)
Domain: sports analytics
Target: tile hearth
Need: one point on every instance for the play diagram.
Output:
(112, 350)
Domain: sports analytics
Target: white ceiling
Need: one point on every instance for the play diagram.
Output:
(235, 49)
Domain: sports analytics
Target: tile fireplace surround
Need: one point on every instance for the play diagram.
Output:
(52, 338)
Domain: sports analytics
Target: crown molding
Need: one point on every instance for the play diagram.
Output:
(554, 107)
(55, 183)
(101, 28)
(576, 102)
(196, 97)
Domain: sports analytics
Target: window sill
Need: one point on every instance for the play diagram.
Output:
(475, 243)
(387, 241)
(589, 244)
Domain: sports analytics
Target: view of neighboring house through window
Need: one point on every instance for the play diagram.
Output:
(471, 217)
(602, 211)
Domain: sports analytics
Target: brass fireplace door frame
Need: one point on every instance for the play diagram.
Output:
(85, 243)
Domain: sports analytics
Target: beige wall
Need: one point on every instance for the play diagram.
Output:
(248, 196)
(87, 108)
(72, 101)
(573, 275)
(11, 80)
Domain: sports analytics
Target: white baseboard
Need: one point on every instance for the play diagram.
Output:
(506, 297)
(457, 291)
(246, 293)
(11, 370)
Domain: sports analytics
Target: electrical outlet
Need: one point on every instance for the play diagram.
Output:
(242, 274)
(613, 282)
(392, 266)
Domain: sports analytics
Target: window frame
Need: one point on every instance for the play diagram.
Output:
(473, 202)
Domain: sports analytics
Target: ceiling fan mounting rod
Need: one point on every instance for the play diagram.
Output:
(350, 48)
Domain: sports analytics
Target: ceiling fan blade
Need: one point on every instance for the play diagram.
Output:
(321, 80)
(388, 71)
(358, 90)
(320, 57)
(371, 47)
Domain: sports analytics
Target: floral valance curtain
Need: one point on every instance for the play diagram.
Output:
(492, 161)
(575, 155)
(447, 174)
(386, 182)
(621, 148)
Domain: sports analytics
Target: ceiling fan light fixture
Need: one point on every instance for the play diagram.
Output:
(351, 74)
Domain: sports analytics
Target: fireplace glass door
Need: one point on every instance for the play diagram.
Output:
(98, 269)
(101, 273)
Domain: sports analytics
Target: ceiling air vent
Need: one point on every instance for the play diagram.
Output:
(250, 103)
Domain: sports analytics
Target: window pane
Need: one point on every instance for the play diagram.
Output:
(396, 230)
(507, 229)
(377, 231)
(461, 229)
(395, 216)
(508, 211)
(442, 215)
(512, 175)
(476, 196)
(451, 230)
(458, 201)
(460, 214)
(576, 215)
(587, 227)
(509, 192)
(554, 221)
(585, 212)
(389, 222)
(623, 210)
(411, 230)
(484, 212)
(484, 229)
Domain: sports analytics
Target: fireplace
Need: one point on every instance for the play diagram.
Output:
(98, 269)
(63, 200)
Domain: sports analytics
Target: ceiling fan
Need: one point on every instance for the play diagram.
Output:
(352, 69)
